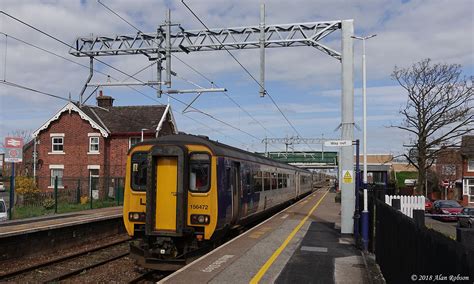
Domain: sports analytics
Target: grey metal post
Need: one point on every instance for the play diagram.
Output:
(91, 72)
(158, 67)
(34, 159)
(347, 126)
(262, 50)
(168, 48)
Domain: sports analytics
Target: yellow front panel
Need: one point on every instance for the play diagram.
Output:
(204, 203)
(133, 201)
(166, 190)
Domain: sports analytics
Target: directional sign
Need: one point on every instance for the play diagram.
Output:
(13, 149)
(338, 143)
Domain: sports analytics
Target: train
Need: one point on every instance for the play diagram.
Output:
(185, 192)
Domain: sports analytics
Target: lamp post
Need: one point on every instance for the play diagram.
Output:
(143, 129)
(365, 212)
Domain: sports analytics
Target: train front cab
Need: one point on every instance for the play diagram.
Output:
(181, 195)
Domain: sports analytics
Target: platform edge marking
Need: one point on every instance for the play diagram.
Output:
(167, 278)
(277, 252)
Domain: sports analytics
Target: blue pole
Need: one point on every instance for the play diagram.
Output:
(12, 193)
(357, 184)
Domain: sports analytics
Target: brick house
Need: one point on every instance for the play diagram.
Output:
(448, 169)
(467, 151)
(91, 142)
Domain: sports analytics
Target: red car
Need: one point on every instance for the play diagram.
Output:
(428, 205)
(448, 208)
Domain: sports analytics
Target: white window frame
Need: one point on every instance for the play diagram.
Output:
(93, 151)
(60, 181)
(55, 136)
(469, 183)
(130, 141)
(470, 168)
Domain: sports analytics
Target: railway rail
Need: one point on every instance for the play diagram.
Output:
(67, 266)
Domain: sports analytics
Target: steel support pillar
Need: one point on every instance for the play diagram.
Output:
(347, 127)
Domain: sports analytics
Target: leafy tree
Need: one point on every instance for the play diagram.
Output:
(438, 110)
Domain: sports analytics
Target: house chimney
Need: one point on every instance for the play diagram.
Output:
(104, 101)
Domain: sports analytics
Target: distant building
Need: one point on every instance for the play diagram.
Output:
(467, 151)
(448, 168)
(91, 142)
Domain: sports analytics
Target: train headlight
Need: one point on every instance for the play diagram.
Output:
(198, 219)
(136, 216)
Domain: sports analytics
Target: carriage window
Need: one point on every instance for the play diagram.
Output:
(248, 178)
(266, 181)
(280, 180)
(274, 181)
(139, 171)
(199, 170)
(257, 181)
(285, 180)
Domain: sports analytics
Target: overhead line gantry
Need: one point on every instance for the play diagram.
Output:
(173, 38)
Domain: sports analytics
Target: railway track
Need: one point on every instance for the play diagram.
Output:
(67, 266)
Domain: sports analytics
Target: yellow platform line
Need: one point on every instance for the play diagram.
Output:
(274, 256)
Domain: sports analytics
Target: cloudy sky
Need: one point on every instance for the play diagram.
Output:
(303, 81)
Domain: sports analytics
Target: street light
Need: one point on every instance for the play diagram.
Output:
(365, 212)
(143, 129)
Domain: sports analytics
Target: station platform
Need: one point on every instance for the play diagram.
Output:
(38, 224)
(301, 244)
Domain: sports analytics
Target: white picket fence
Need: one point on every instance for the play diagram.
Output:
(407, 203)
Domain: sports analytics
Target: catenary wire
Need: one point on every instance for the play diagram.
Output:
(195, 70)
(114, 68)
(124, 73)
(247, 71)
(192, 68)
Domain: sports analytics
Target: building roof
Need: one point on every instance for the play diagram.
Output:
(467, 146)
(121, 119)
(128, 119)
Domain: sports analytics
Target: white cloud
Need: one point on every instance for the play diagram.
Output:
(303, 81)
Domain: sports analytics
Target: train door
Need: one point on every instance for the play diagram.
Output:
(236, 190)
(165, 197)
(166, 183)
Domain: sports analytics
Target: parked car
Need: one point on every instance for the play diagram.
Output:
(448, 208)
(466, 222)
(2, 186)
(3, 210)
(428, 205)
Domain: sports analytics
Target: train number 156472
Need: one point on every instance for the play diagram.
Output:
(198, 206)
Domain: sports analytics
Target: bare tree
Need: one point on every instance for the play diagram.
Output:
(27, 136)
(438, 110)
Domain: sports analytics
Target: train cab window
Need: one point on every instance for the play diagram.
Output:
(139, 171)
(199, 171)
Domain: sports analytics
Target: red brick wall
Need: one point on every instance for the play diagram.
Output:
(76, 148)
(464, 167)
(112, 158)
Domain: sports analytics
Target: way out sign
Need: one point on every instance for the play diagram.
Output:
(347, 176)
(13, 149)
(338, 143)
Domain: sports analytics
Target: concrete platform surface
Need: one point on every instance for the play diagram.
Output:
(31, 225)
(301, 244)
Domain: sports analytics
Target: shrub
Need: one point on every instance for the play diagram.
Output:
(84, 199)
(48, 203)
(26, 187)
